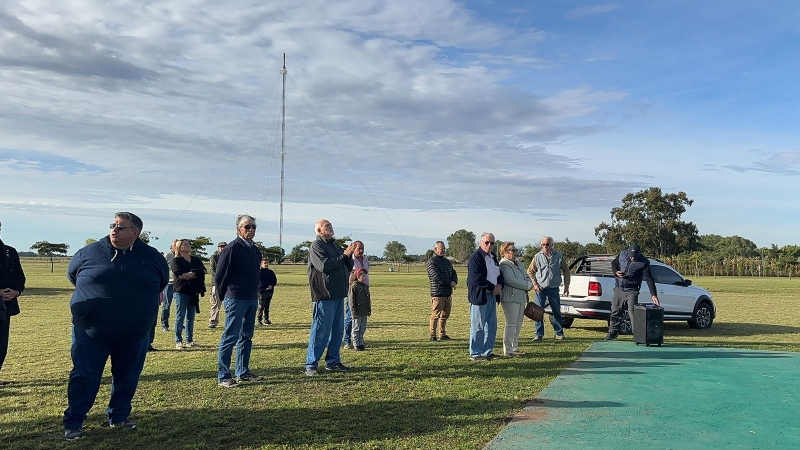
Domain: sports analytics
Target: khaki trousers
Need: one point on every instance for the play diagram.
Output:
(440, 311)
(213, 315)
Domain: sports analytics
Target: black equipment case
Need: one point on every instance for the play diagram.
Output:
(648, 324)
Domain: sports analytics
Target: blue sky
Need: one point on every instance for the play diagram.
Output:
(405, 120)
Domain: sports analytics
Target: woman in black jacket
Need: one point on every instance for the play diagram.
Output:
(189, 284)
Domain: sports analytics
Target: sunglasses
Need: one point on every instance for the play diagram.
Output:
(249, 227)
(488, 242)
(547, 245)
(119, 227)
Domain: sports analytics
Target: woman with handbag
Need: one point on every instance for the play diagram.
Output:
(514, 297)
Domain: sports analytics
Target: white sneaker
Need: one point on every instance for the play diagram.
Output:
(179, 346)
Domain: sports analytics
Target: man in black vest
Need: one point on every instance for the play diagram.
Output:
(629, 267)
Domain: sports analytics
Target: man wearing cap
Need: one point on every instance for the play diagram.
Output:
(213, 317)
(629, 267)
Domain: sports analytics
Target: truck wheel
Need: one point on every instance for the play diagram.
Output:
(566, 322)
(625, 327)
(702, 317)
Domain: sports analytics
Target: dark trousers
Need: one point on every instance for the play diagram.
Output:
(619, 302)
(5, 325)
(264, 299)
(89, 356)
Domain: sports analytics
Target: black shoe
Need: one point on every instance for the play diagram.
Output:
(267, 322)
(338, 368)
(611, 336)
(433, 338)
(212, 325)
(444, 337)
(73, 435)
(360, 348)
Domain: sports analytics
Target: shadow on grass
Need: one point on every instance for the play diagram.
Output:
(46, 292)
(259, 425)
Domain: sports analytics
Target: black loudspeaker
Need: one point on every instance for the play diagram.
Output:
(648, 324)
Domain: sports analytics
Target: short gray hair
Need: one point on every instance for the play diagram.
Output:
(244, 219)
(547, 238)
(135, 220)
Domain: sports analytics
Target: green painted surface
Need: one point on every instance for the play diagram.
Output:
(618, 395)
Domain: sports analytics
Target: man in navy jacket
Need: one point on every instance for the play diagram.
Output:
(484, 284)
(117, 281)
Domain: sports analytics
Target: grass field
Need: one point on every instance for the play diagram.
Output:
(403, 392)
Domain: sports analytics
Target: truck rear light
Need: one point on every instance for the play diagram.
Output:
(595, 290)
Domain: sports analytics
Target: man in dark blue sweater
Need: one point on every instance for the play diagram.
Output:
(117, 281)
(236, 279)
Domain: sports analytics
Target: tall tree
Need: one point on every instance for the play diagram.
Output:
(570, 249)
(394, 251)
(50, 250)
(199, 245)
(461, 244)
(652, 220)
(299, 253)
(273, 254)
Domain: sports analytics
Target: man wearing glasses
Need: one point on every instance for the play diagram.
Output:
(236, 279)
(485, 284)
(547, 270)
(117, 282)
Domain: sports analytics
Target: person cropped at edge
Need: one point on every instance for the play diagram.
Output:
(514, 298)
(117, 280)
(547, 270)
(328, 272)
(237, 283)
(359, 262)
(484, 285)
(443, 279)
(629, 267)
(170, 292)
(213, 311)
(12, 283)
(189, 276)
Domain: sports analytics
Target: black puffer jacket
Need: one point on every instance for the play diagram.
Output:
(441, 274)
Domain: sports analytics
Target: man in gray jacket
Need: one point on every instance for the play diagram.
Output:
(547, 270)
(328, 271)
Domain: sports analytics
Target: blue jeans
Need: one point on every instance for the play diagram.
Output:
(348, 323)
(327, 321)
(240, 321)
(165, 306)
(184, 313)
(550, 295)
(483, 327)
(89, 356)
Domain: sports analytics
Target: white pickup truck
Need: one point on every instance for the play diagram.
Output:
(592, 287)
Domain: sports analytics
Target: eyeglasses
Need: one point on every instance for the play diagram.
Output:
(488, 242)
(249, 227)
(119, 227)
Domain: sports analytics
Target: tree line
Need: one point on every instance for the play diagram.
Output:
(649, 218)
